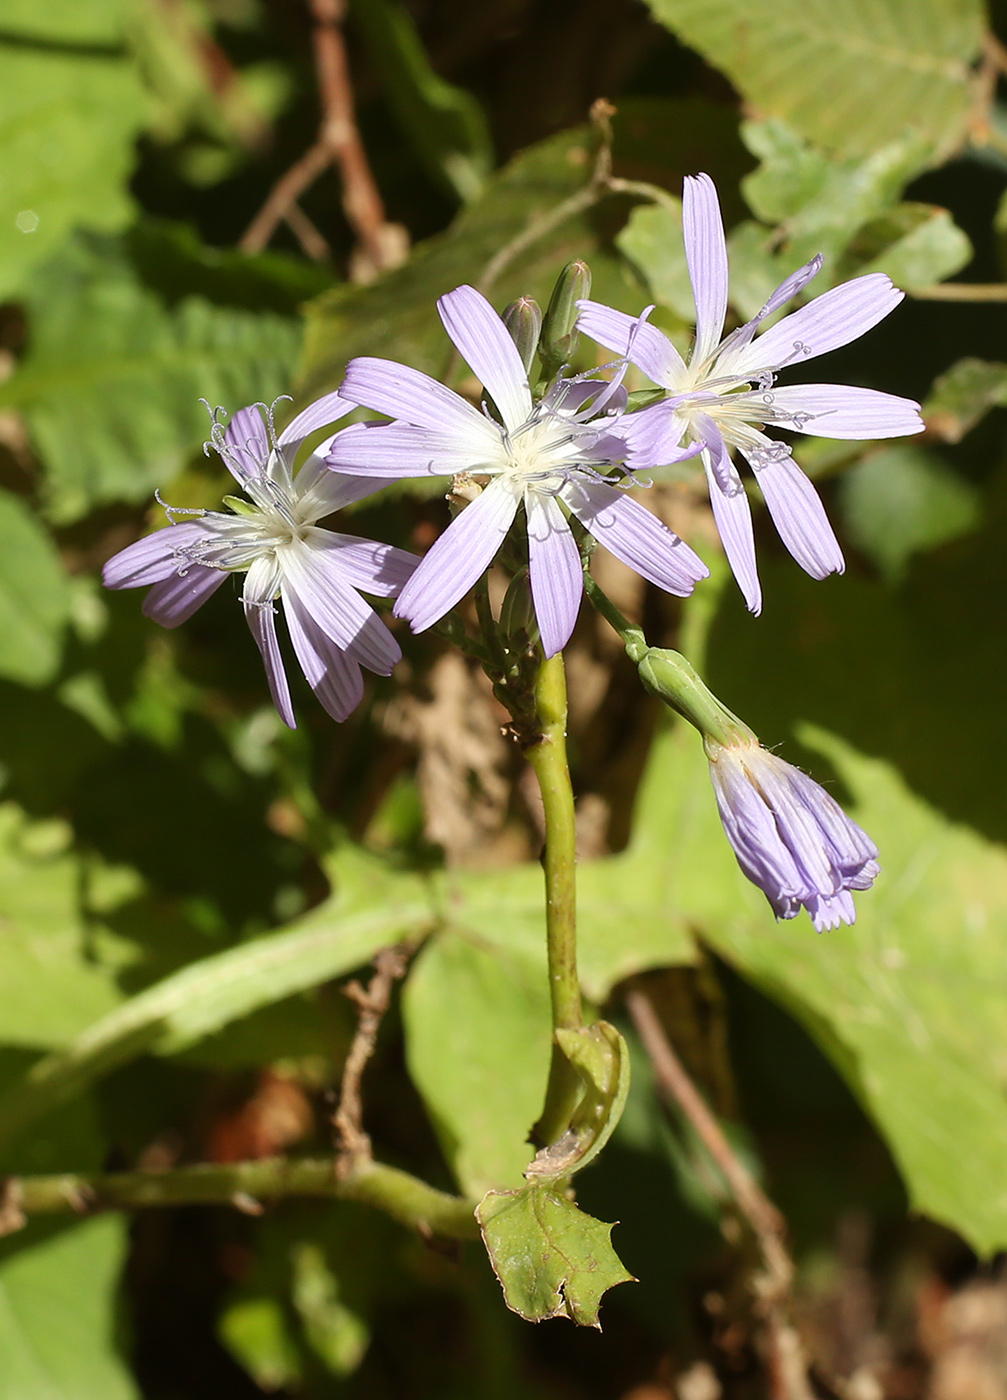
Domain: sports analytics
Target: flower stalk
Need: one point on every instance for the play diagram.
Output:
(547, 756)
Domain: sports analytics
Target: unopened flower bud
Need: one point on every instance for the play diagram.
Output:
(559, 335)
(523, 318)
(790, 837)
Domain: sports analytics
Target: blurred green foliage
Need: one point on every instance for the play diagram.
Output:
(181, 880)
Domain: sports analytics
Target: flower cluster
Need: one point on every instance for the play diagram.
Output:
(550, 470)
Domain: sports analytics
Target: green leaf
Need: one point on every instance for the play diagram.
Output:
(256, 1331)
(34, 596)
(478, 1044)
(601, 1058)
(902, 500)
(336, 1334)
(963, 395)
(57, 977)
(111, 385)
(444, 123)
(374, 909)
(847, 76)
(918, 245)
(552, 1260)
(71, 106)
(57, 1315)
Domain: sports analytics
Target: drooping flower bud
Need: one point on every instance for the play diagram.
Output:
(523, 319)
(790, 837)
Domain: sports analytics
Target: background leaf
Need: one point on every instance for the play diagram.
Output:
(34, 596)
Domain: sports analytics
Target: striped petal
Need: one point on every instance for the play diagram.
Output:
(706, 255)
(484, 343)
(554, 571)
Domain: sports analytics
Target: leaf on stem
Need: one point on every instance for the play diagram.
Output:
(551, 1258)
(601, 1058)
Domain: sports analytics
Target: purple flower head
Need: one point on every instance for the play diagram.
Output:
(552, 457)
(790, 837)
(725, 395)
(272, 538)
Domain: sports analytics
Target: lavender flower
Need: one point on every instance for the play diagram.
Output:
(272, 538)
(551, 457)
(790, 837)
(725, 394)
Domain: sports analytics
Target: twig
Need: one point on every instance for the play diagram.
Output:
(787, 1362)
(961, 291)
(380, 245)
(372, 1002)
(241, 1184)
(314, 245)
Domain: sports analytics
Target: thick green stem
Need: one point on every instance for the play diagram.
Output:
(547, 756)
(245, 1184)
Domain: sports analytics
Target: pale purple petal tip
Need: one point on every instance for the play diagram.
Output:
(706, 255)
(555, 571)
(246, 443)
(464, 552)
(380, 569)
(409, 394)
(831, 320)
(732, 513)
(333, 676)
(400, 449)
(799, 516)
(328, 409)
(151, 559)
(841, 411)
(653, 352)
(485, 344)
(261, 583)
(324, 591)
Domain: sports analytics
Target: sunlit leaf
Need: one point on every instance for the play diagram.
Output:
(963, 395)
(34, 596)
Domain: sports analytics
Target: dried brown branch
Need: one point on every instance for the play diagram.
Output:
(372, 1001)
(380, 245)
(786, 1359)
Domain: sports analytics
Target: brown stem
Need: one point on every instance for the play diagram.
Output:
(787, 1362)
(380, 245)
(961, 291)
(372, 1002)
(307, 235)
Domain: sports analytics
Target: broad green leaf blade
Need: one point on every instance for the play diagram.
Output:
(902, 500)
(34, 596)
(71, 106)
(56, 979)
(478, 1045)
(444, 123)
(843, 74)
(57, 1315)
(963, 395)
(378, 909)
(552, 1260)
(111, 385)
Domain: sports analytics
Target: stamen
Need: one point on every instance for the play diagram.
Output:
(172, 511)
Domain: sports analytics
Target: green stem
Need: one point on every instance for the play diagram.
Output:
(244, 1184)
(547, 757)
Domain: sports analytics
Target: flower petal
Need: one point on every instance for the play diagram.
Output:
(336, 607)
(840, 411)
(636, 536)
(406, 393)
(799, 515)
(485, 344)
(785, 292)
(464, 551)
(328, 409)
(375, 568)
(554, 571)
(174, 600)
(731, 511)
(333, 676)
(246, 444)
(321, 489)
(653, 352)
(831, 320)
(401, 449)
(706, 255)
(261, 583)
(152, 559)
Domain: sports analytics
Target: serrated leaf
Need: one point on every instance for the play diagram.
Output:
(34, 596)
(71, 106)
(963, 395)
(374, 909)
(847, 76)
(57, 1315)
(551, 1258)
(902, 500)
(478, 1043)
(111, 384)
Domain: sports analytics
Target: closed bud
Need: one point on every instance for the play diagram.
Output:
(523, 318)
(559, 334)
